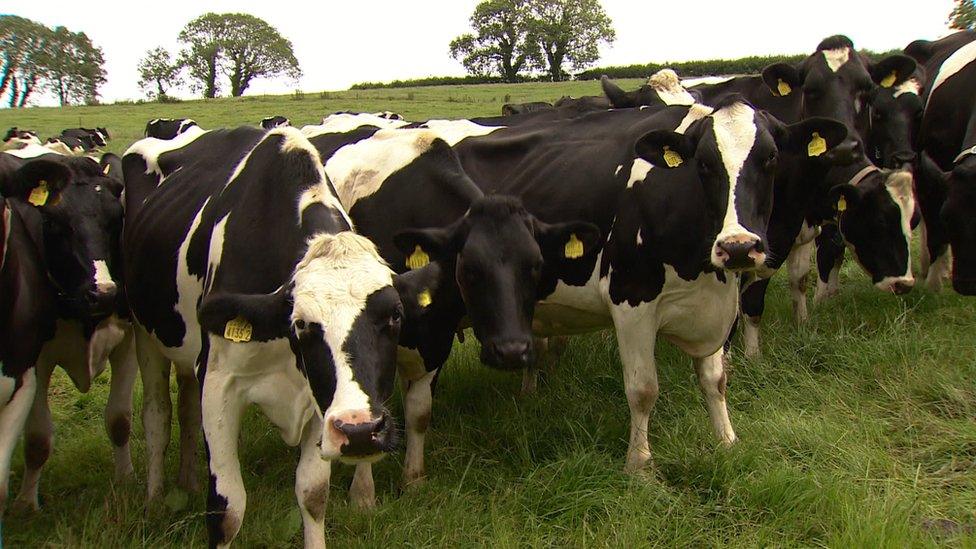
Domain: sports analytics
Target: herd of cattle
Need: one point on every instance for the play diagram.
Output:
(303, 270)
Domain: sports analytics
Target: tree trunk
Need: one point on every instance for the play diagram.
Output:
(25, 93)
(5, 75)
(160, 92)
(211, 85)
(13, 92)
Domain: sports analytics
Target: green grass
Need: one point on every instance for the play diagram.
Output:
(858, 429)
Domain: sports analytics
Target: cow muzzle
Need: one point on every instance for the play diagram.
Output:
(357, 435)
(743, 252)
(101, 301)
(507, 354)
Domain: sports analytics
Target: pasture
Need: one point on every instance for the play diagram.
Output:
(857, 429)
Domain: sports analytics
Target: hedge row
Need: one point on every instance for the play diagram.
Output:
(686, 69)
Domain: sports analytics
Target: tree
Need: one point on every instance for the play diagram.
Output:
(158, 72)
(963, 16)
(501, 43)
(241, 46)
(73, 67)
(569, 30)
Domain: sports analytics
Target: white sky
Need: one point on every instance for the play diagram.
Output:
(339, 43)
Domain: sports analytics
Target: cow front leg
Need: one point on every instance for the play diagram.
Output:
(798, 267)
(38, 438)
(530, 375)
(636, 337)
(417, 410)
(752, 303)
(222, 409)
(362, 492)
(312, 485)
(189, 416)
(712, 380)
(157, 411)
(118, 411)
(12, 418)
(830, 256)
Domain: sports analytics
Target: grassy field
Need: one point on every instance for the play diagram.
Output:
(858, 429)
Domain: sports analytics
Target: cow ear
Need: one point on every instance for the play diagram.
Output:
(38, 182)
(420, 246)
(566, 241)
(248, 317)
(782, 79)
(417, 288)
(813, 136)
(893, 70)
(665, 148)
(619, 99)
(843, 197)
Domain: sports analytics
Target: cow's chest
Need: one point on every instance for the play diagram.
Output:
(696, 315)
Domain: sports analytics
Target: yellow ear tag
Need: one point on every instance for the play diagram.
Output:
(424, 299)
(889, 80)
(108, 167)
(783, 88)
(817, 146)
(38, 196)
(238, 330)
(418, 259)
(672, 158)
(841, 204)
(574, 247)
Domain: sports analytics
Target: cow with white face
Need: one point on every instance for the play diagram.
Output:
(297, 314)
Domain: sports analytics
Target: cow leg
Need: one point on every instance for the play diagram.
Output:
(312, 485)
(711, 378)
(830, 256)
(38, 438)
(530, 375)
(362, 492)
(118, 411)
(222, 409)
(12, 418)
(798, 267)
(156, 410)
(189, 416)
(636, 338)
(752, 303)
(417, 410)
(924, 259)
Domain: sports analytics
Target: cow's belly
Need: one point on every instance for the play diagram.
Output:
(696, 315)
(83, 359)
(573, 309)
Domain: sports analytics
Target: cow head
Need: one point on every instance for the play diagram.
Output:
(896, 113)
(341, 313)
(736, 150)
(837, 82)
(82, 223)
(500, 253)
(956, 214)
(874, 217)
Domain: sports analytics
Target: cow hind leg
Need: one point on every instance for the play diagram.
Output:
(798, 269)
(118, 411)
(417, 410)
(712, 380)
(312, 485)
(636, 340)
(157, 411)
(189, 416)
(222, 410)
(13, 416)
(38, 439)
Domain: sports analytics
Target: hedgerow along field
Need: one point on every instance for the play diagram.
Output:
(857, 429)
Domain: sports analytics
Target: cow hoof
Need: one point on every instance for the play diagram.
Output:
(26, 506)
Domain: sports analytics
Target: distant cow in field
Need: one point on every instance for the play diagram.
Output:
(17, 138)
(273, 122)
(168, 128)
(510, 109)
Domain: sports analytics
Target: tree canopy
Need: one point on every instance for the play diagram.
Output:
(570, 30)
(158, 72)
(501, 43)
(963, 16)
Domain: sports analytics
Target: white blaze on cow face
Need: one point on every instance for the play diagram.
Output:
(103, 278)
(837, 58)
(332, 283)
(735, 134)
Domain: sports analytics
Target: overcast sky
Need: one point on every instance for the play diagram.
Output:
(342, 42)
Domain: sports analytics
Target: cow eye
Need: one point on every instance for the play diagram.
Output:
(299, 325)
(396, 316)
(771, 162)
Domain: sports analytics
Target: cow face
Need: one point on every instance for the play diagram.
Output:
(896, 113)
(500, 254)
(735, 151)
(875, 220)
(957, 216)
(342, 314)
(81, 230)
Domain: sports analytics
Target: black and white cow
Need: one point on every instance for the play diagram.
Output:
(946, 184)
(297, 314)
(168, 128)
(56, 257)
(509, 109)
(84, 138)
(273, 122)
(17, 138)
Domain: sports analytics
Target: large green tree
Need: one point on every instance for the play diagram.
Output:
(569, 31)
(501, 43)
(963, 16)
(238, 45)
(24, 55)
(158, 72)
(73, 67)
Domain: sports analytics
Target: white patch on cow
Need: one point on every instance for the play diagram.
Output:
(705, 81)
(912, 86)
(6, 234)
(899, 186)
(103, 278)
(617, 171)
(358, 170)
(735, 135)
(35, 150)
(639, 239)
(837, 57)
(216, 250)
(185, 125)
(668, 87)
(332, 282)
(953, 64)
(344, 122)
(150, 148)
(638, 171)
(640, 168)
(453, 131)
(189, 289)
(13, 416)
